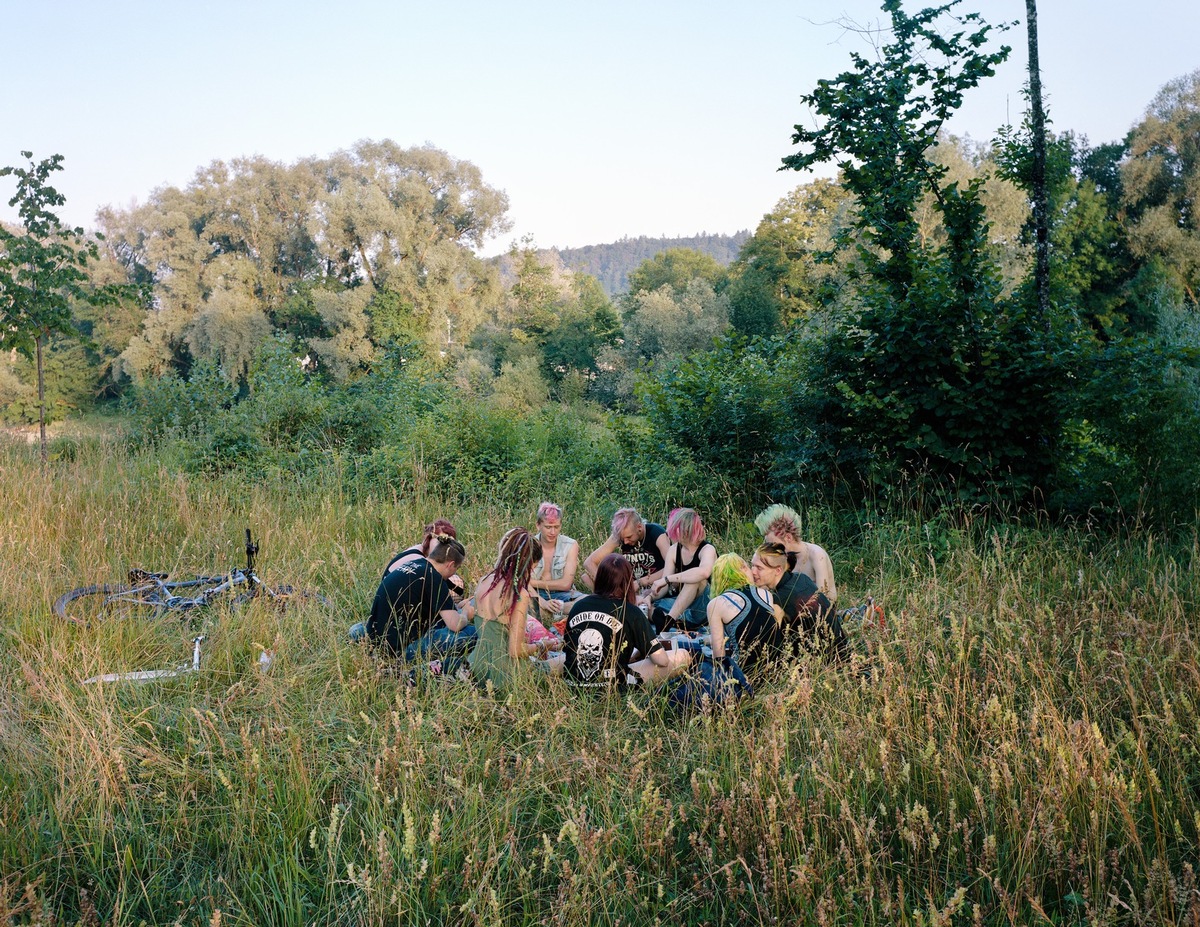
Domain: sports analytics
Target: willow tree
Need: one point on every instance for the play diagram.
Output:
(252, 246)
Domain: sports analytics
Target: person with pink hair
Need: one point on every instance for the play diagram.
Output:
(682, 590)
(553, 578)
(643, 543)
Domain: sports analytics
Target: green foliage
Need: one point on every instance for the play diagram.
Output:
(347, 254)
(1161, 182)
(1134, 435)
(785, 270)
(727, 409)
(43, 271)
(755, 308)
(676, 268)
(932, 371)
(43, 268)
(170, 406)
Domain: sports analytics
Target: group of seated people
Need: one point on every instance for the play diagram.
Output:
(644, 580)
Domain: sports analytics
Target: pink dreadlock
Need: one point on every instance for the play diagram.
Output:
(519, 553)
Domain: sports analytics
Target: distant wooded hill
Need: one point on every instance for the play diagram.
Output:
(612, 263)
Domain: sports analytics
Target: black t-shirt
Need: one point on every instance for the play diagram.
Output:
(645, 557)
(408, 604)
(407, 552)
(599, 641)
(811, 622)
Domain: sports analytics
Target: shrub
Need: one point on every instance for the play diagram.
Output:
(1133, 446)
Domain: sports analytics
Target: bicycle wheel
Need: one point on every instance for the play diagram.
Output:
(96, 603)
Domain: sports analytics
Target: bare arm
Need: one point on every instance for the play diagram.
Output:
(660, 656)
(664, 551)
(719, 610)
(517, 648)
(708, 557)
(822, 574)
(456, 620)
(592, 563)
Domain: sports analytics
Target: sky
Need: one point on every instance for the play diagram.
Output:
(599, 120)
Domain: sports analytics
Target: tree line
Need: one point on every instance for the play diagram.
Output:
(884, 321)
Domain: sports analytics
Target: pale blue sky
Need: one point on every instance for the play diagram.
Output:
(598, 120)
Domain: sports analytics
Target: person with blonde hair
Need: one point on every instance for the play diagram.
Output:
(682, 590)
(643, 543)
(744, 626)
(743, 620)
(502, 601)
(781, 525)
(553, 577)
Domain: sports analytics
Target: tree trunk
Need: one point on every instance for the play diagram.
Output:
(41, 399)
(1041, 208)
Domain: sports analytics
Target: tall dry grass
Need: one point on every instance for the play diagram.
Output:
(1017, 745)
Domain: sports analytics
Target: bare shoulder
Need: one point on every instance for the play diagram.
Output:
(817, 552)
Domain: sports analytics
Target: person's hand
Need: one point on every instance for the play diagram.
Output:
(554, 606)
(659, 587)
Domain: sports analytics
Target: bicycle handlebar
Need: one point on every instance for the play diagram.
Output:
(251, 550)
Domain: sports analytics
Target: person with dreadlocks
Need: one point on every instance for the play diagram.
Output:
(502, 601)
(781, 525)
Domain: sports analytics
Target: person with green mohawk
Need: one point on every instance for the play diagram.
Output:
(781, 525)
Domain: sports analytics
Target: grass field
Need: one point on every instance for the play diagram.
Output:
(1017, 745)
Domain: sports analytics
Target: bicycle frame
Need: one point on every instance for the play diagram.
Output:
(163, 597)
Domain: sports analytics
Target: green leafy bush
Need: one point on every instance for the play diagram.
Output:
(170, 406)
(1133, 446)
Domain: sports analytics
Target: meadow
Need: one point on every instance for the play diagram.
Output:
(1016, 745)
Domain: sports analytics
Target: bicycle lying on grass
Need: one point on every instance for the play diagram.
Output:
(152, 595)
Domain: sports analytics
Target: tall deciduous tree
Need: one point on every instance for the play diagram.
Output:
(251, 243)
(42, 270)
(1162, 182)
(932, 370)
(780, 273)
(1038, 189)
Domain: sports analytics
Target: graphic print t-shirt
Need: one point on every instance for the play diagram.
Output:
(599, 641)
(407, 604)
(407, 552)
(645, 557)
